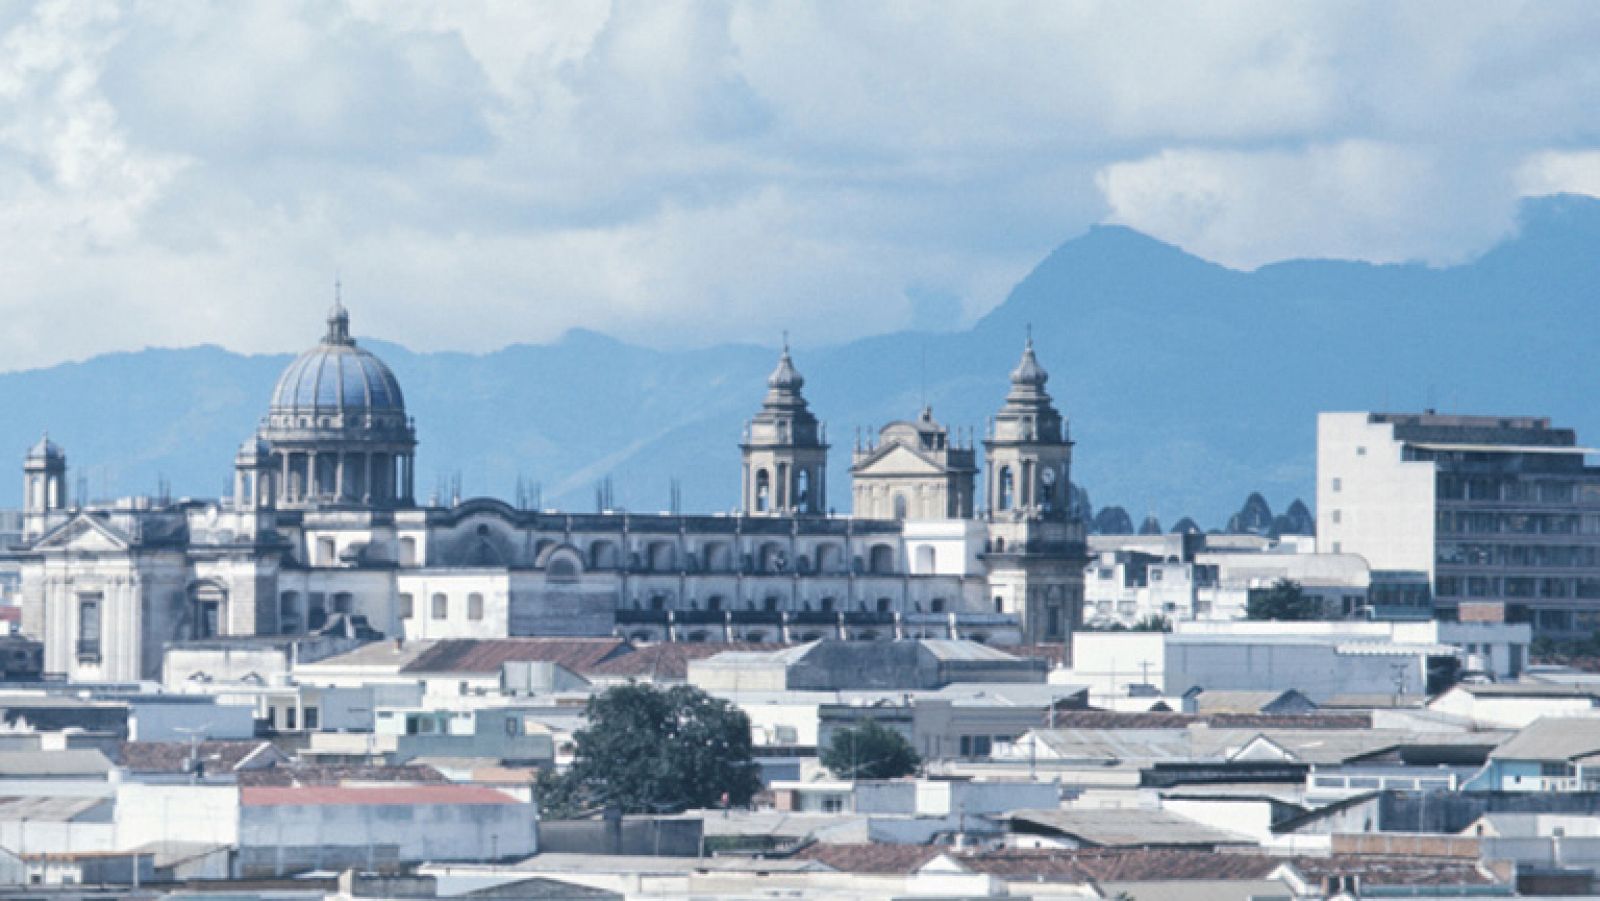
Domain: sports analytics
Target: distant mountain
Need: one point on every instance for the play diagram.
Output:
(1188, 384)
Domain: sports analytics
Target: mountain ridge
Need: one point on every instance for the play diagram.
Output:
(1188, 384)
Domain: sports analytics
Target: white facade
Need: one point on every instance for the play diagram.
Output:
(1370, 501)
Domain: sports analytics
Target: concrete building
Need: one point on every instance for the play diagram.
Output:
(1319, 659)
(324, 532)
(1193, 576)
(1501, 515)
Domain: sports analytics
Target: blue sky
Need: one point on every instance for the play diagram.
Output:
(480, 173)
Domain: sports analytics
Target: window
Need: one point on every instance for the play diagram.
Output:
(763, 491)
(407, 607)
(327, 552)
(1336, 516)
(1338, 484)
(474, 606)
(1361, 451)
(1005, 488)
(441, 607)
(343, 602)
(312, 718)
(89, 626)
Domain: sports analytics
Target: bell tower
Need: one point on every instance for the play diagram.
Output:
(785, 451)
(44, 484)
(1036, 551)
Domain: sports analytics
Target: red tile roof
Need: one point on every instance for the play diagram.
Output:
(411, 795)
(871, 858)
(173, 756)
(580, 655)
(670, 660)
(1376, 869)
(1119, 866)
(338, 774)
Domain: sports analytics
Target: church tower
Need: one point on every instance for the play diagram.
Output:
(785, 451)
(44, 484)
(1036, 551)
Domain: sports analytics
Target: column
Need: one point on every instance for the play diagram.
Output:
(340, 462)
(283, 486)
(313, 490)
(366, 489)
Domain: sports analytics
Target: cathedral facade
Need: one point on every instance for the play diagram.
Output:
(323, 531)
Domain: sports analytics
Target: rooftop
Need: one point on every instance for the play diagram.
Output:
(412, 795)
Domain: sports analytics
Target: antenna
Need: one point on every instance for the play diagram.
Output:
(924, 374)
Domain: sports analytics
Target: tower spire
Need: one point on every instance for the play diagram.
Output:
(338, 317)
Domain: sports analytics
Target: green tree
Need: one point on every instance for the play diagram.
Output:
(1283, 601)
(647, 750)
(1155, 622)
(870, 751)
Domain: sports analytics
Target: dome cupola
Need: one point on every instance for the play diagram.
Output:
(337, 425)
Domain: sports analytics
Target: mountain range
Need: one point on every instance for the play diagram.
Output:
(1188, 385)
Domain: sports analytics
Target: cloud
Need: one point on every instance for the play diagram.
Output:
(487, 171)
(1354, 199)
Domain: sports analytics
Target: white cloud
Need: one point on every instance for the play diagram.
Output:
(485, 171)
(1354, 199)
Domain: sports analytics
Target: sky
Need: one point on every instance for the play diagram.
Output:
(479, 172)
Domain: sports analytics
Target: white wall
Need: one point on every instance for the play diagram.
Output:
(1369, 501)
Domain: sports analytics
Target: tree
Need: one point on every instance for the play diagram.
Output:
(1155, 622)
(870, 751)
(1283, 601)
(648, 750)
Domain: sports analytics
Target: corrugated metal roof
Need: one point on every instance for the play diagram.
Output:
(314, 796)
(1553, 739)
(1129, 827)
(71, 762)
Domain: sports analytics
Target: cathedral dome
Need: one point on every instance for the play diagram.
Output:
(337, 377)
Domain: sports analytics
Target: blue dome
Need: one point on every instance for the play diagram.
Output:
(336, 376)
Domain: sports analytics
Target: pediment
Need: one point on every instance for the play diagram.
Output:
(83, 533)
(1262, 749)
(898, 460)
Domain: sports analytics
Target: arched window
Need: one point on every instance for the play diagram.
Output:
(830, 558)
(714, 602)
(999, 604)
(408, 551)
(718, 557)
(899, 506)
(763, 491)
(771, 603)
(658, 602)
(475, 606)
(802, 489)
(936, 605)
(882, 559)
(663, 556)
(827, 605)
(1004, 501)
(884, 604)
(562, 569)
(407, 607)
(603, 555)
(441, 606)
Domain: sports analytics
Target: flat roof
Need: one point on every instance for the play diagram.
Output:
(1504, 448)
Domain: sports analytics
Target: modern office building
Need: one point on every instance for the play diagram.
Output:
(1500, 515)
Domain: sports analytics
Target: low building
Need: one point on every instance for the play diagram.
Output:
(1551, 754)
(286, 830)
(911, 665)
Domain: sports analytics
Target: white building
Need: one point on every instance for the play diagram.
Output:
(324, 529)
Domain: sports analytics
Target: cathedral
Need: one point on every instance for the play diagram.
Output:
(323, 531)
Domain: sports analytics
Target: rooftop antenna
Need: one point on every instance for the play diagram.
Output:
(924, 374)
